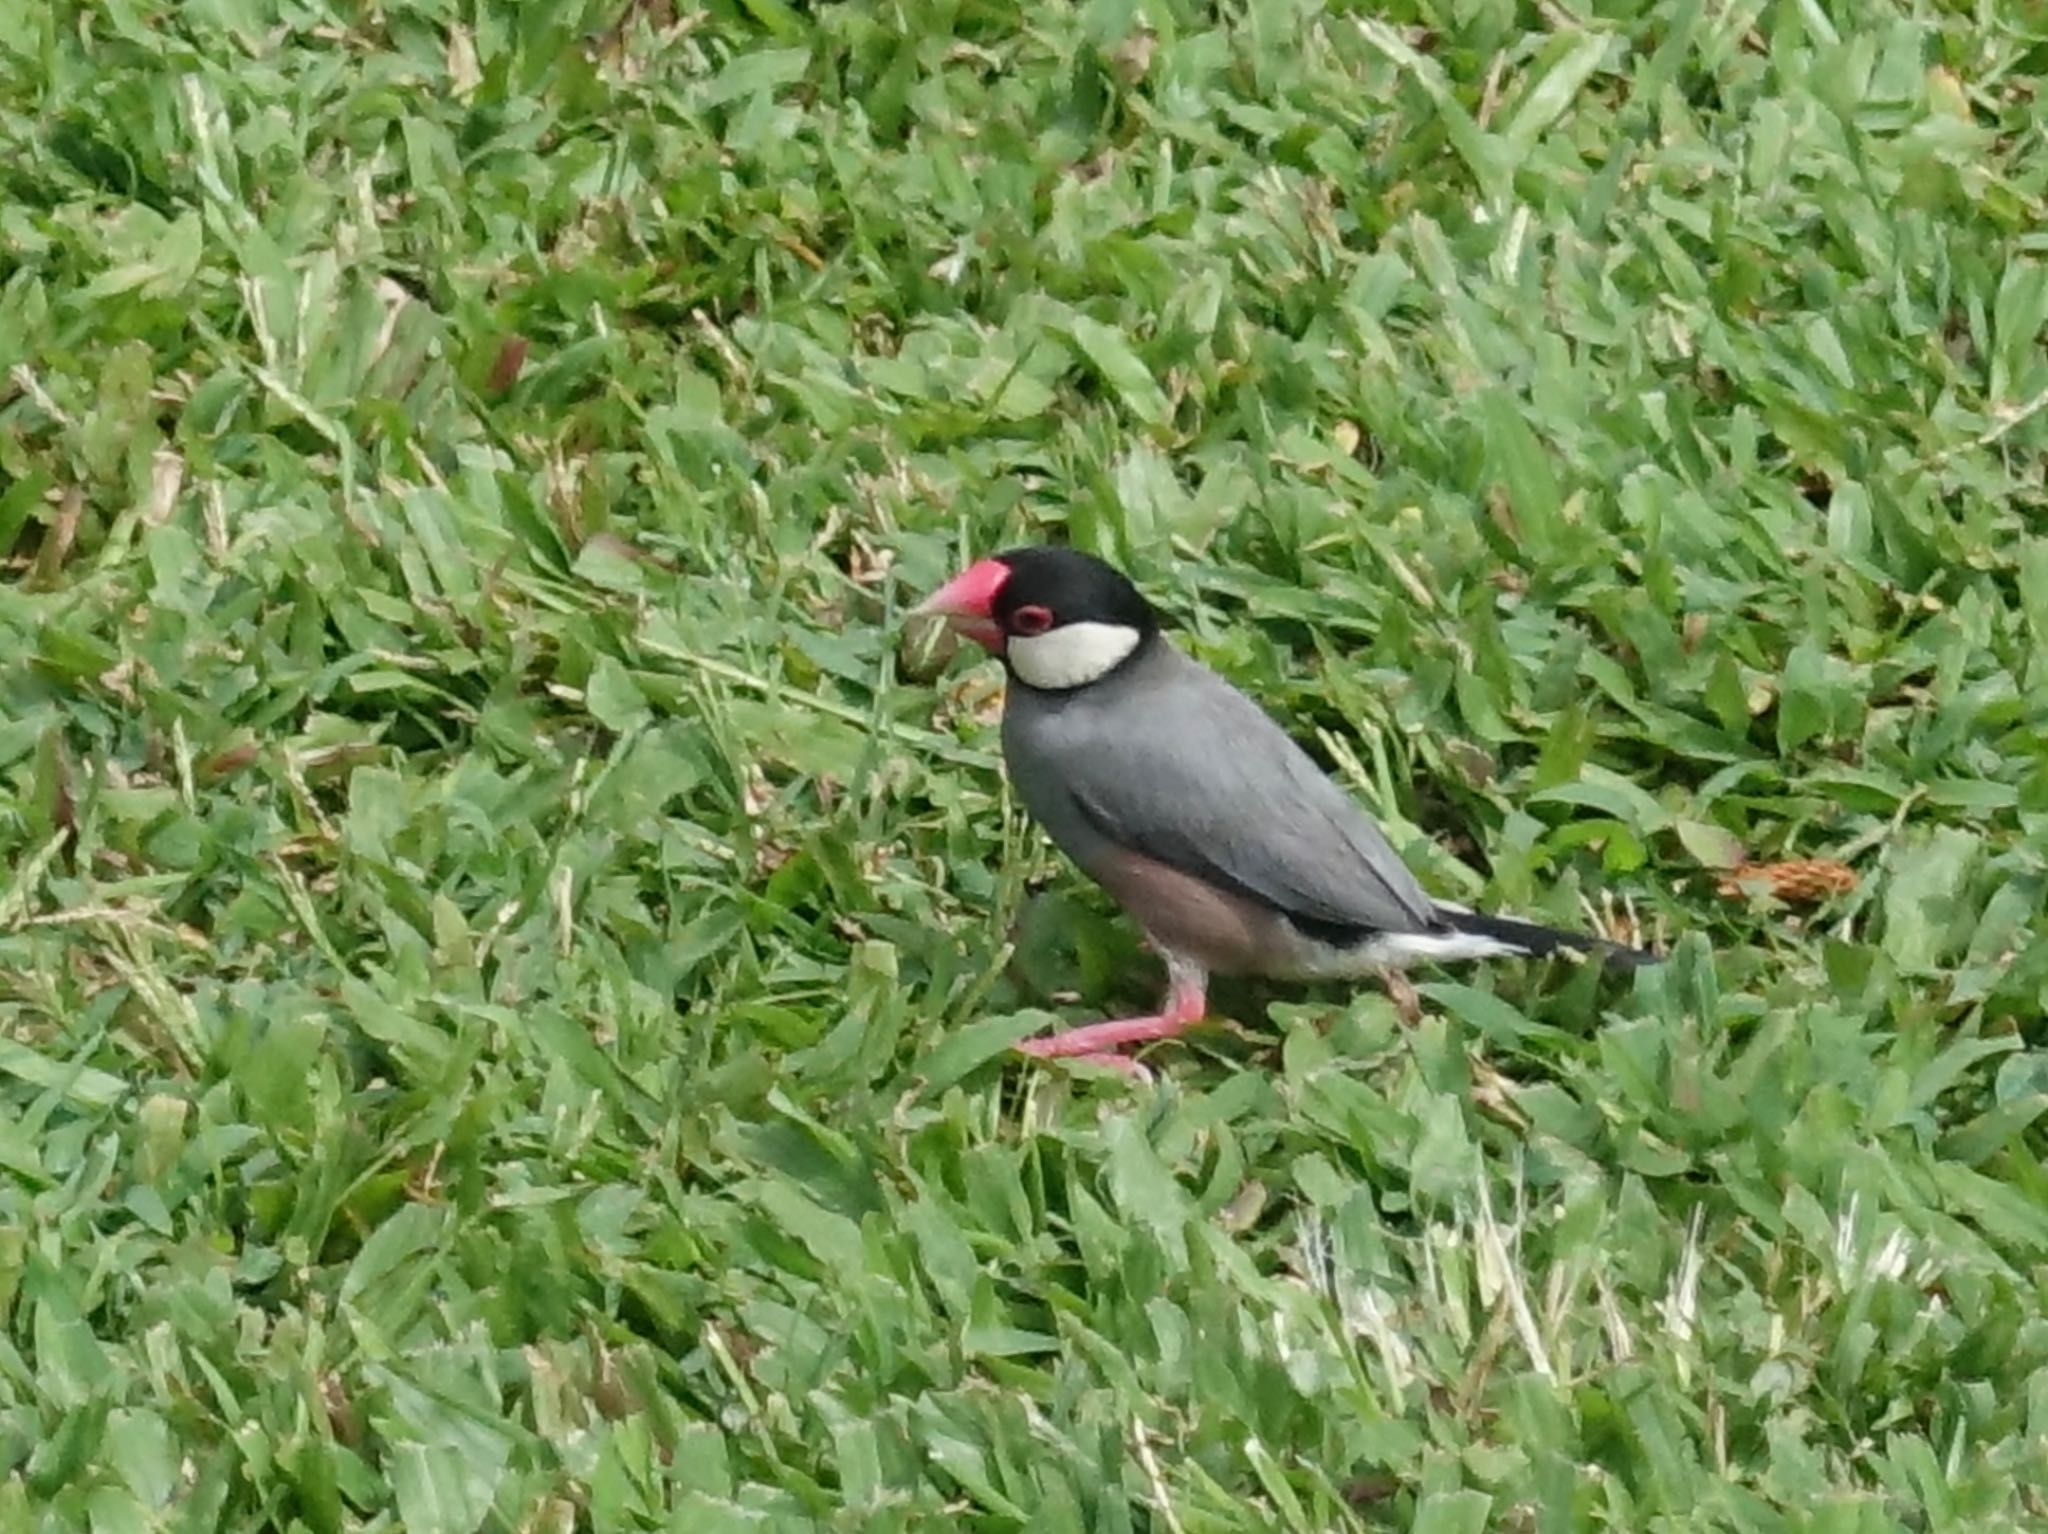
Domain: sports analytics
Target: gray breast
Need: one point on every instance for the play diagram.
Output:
(1040, 732)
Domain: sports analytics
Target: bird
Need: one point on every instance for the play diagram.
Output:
(1213, 830)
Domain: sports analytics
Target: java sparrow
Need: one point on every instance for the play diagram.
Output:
(1207, 824)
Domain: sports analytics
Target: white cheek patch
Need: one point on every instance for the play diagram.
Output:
(1072, 655)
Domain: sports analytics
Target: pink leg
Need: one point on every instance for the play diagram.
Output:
(1187, 1000)
(1406, 999)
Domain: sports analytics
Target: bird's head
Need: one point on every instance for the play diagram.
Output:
(1060, 619)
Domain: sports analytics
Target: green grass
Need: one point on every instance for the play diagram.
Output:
(506, 969)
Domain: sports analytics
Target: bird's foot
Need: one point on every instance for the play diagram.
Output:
(1098, 1042)
(1406, 999)
(1098, 1038)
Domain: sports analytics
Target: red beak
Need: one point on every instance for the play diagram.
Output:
(968, 603)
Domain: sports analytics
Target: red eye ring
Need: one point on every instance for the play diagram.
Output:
(1031, 620)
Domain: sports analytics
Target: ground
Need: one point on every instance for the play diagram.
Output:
(508, 952)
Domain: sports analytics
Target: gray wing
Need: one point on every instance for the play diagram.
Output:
(1175, 763)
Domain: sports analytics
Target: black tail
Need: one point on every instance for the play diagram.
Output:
(1539, 941)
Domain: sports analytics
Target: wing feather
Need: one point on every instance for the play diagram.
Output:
(1186, 769)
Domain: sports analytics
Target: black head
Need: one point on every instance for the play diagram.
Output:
(1050, 587)
(1060, 619)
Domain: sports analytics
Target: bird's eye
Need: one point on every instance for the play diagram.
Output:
(1031, 620)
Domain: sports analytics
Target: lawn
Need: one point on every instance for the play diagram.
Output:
(509, 948)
